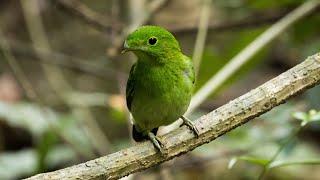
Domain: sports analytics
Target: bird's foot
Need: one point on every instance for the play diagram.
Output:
(157, 143)
(190, 124)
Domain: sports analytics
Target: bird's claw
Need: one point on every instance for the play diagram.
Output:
(189, 123)
(157, 143)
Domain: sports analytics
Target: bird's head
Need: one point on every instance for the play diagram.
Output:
(151, 41)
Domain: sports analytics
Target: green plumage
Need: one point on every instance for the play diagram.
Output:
(161, 82)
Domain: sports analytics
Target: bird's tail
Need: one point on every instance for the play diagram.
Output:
(139, 136)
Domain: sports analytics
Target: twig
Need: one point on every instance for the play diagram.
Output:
(218, 122)
(91, 17)
(143, 17)
(229, 24)
(202, 34)
(251, 21)
(55, 75)
(63, 60)
(244, 56)
(153, 8)
(31, 93)
(21, 77)
(278, 164)
(289, 139)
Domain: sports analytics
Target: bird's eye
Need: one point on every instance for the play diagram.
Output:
(153, 41)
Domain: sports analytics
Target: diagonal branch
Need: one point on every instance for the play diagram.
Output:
(249, 51)
(218, 122)
(252, 21)
(60, 59)
(201, 35)
(153, 8)
(88, 15)
(55, 76)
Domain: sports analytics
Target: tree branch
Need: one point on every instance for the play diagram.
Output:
(249, 51)
(63, 60)
(88, 15)
(201, 35)
(56, 78)
(211, 126)
(153, 8)
(252, 21)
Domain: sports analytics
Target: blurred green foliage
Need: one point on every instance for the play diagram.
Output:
(290, 153)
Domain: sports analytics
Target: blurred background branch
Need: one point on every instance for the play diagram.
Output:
(60, 59)
(31, 93)
(201, 35)
(150, 9)
(247, 53)
(56, 79)
(93, 18)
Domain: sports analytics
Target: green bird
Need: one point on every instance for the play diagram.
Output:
(160, 84)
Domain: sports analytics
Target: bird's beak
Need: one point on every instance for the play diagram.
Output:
(126, 48)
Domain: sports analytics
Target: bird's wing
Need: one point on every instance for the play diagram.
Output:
(191, 73)
(130, 87)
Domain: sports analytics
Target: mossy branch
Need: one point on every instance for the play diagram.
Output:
(215, 124)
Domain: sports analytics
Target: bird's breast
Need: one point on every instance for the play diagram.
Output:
(158, 82)
(161, 96)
